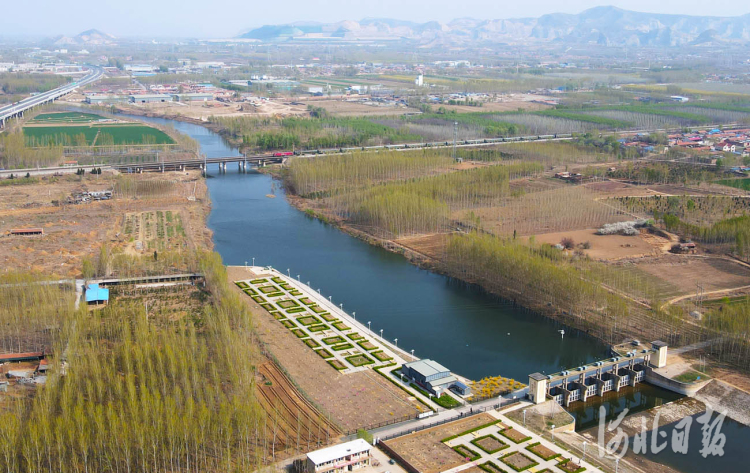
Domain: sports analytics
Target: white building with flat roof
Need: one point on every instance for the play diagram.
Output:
(347, 456)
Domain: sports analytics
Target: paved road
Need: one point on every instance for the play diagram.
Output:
(21, 106)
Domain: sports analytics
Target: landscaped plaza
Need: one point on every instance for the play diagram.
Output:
(326, 329)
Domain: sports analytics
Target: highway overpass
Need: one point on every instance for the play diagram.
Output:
(17, 109)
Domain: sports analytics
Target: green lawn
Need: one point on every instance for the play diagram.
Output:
(691, 376)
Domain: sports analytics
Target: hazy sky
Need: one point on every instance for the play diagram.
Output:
(226, 18)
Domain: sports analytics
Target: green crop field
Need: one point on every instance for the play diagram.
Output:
(55, 135)
(135, 134)
(66, 117)
(84, 129)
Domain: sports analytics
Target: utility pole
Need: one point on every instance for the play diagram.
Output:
(455, 138)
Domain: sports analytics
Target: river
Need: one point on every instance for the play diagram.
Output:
(471, 332)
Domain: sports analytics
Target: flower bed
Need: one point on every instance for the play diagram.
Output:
(258, 281)
(342, 346)
(569, 466)
(514, 435)
(475, 429)
(333, 340)
(490, 467)
(490, 444)
(288, 323)
(354, 336)
(268, 289)
(518, 461)
(327, 317)
(317, 309)
(359, 360)
(286, 287)
(467, 453)
(542, 452)
(367, 345)
(381, 355)
(295, 310)
(299, 333)
(306, 301)
(312, 343)
(277, 280)
(278, 315)
(287, 304)
(250, 291)
(242, 284)
(337, 364)
(318, 328)
(295, 293)
(259, 299)
(308, 320)
(269, 307)
(325, 354)
(275, 294)
(340, 326)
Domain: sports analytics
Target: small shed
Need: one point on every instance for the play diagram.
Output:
(27, 231)
(96, 295)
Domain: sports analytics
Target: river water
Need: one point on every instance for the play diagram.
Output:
(472, 333)
(469, 331)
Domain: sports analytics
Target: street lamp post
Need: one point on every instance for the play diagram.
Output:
(524, 417)
(412, 354)
(395, 341)
(381, 334)
(584, 452)
(245, 264)
(253, 261)
(288, 273)
(341, 306)
(552, 431)
(298, 278)
(354, 314)
(368, 326)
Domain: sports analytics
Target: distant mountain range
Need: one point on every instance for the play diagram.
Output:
(89, 37)
(609, 26)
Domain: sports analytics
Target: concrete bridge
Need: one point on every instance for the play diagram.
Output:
(16, 110)
(243, 164)
(627, 367)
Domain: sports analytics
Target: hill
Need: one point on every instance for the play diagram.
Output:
(605, 25)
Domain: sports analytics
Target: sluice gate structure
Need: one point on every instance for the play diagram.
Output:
(629, 365)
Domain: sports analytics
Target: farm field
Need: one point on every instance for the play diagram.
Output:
(683, 273)
(87, 129)
(609, 247)
(120, 134)
(154, 230)
(66, 117)
(73, 233)
(298, 427)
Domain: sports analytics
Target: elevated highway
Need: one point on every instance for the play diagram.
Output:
(17, 109)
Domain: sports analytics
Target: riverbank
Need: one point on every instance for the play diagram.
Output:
(433, 263)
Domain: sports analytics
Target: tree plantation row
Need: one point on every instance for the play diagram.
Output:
(139, 396)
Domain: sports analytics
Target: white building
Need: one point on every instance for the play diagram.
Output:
(419, 81)
(347, 456)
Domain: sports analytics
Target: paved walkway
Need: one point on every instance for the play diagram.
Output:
(494, 430)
